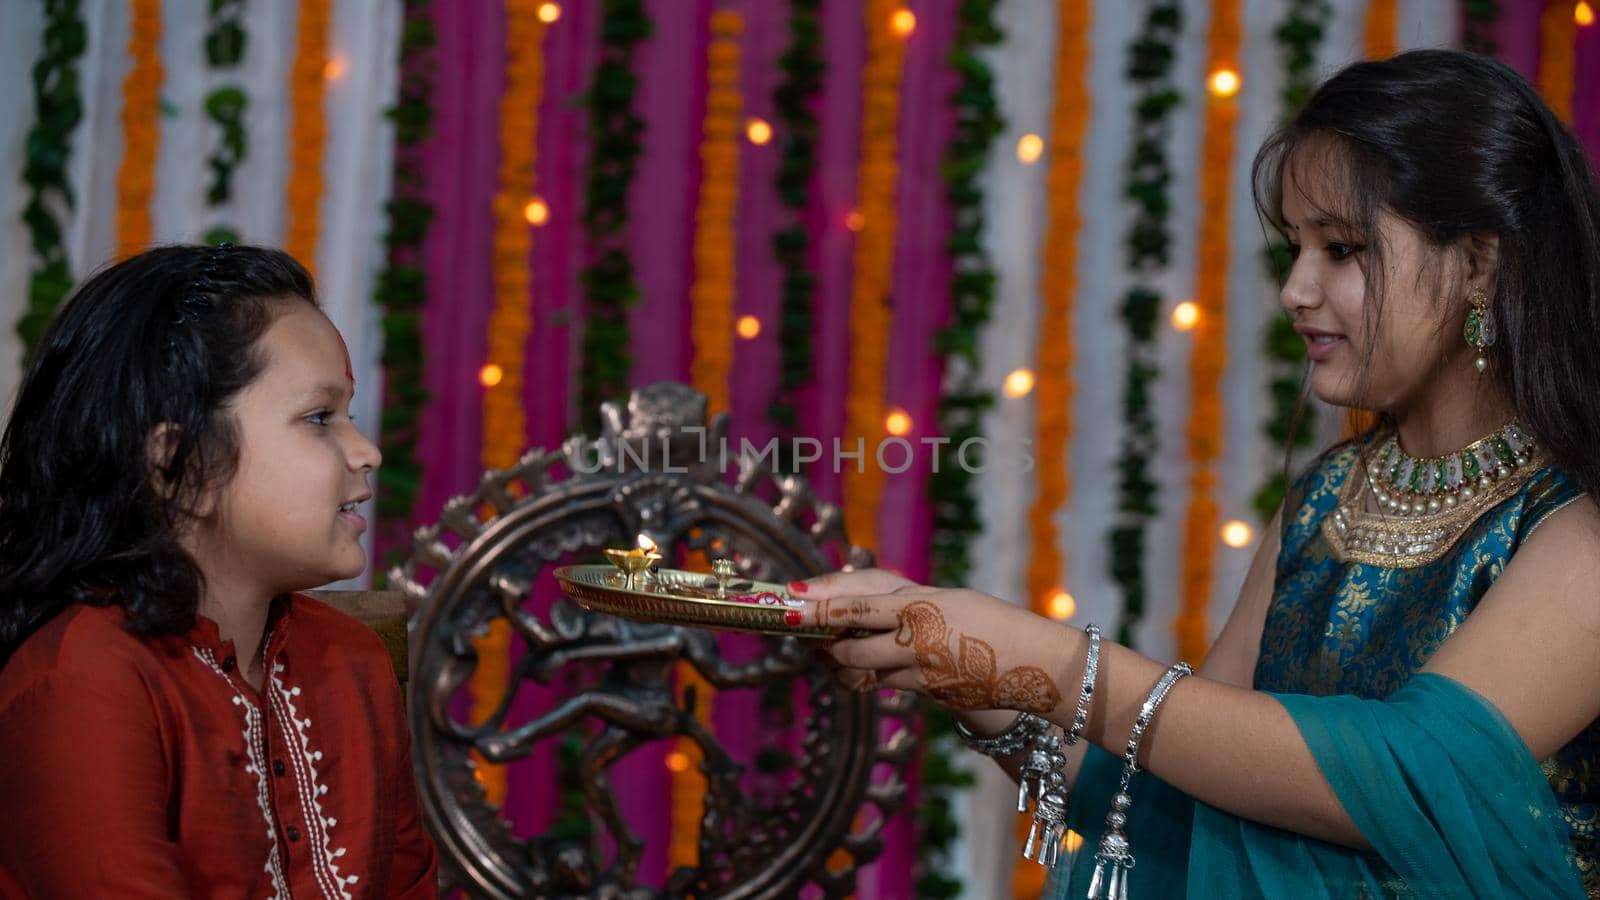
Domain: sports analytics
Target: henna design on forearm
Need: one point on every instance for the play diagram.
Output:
(969, 678)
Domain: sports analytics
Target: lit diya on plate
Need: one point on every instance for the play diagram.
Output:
(633, 588)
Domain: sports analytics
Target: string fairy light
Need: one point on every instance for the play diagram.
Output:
(1237, 534)
(1186, 315)
(1029, 148)
(897, 422)
(903, 22)
(537, 212)
(1019, 383)
(1223, 83)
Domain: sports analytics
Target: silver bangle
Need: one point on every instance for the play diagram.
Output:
(1091, 669)
(1115, 856)
(1022, 732)
(1147, 712)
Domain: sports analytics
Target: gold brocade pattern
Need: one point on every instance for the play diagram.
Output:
(1362, 623)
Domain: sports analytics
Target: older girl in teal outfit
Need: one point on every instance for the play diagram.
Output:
(1405, 700)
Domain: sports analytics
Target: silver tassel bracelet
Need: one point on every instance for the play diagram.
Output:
(1114, 860)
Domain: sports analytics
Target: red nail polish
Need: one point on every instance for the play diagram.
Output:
(792, 616)
(797, 587)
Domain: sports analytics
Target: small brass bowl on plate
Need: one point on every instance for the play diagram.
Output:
(633, 564)
(677, 597)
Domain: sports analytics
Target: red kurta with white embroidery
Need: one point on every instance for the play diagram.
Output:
(137, 768)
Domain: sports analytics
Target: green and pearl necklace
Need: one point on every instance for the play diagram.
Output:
(1410, 486)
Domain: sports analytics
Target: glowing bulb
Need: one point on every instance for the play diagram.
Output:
(758, 131)
(537, 212)
(1583, 14)
(897, 422)
(854, 220)
(1186, 315)
(1029, 148)
(333, 69)
(1237, 534)
(678, 761)
(1074, 841)
(1061, 606)
(1224, 83)
(1019, 383)
(748, 327)
(903, 22)
(549, 12)
(490, 375)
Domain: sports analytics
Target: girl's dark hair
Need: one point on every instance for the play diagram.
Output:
(1460, 145)
(167, 336)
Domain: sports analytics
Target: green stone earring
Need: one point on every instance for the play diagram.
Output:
(1479, 330)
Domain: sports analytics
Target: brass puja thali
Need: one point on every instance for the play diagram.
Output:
(631, 588)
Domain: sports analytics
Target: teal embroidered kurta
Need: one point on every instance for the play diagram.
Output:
(1344, 627)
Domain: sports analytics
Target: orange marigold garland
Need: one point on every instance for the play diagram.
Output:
(1558, 56)
(711, 298)
(1208, 350)
(1053, 387)
(141, 132)
(1382, 32)
(870, 315)
(510, 322)
(711, 328)
(308, 130)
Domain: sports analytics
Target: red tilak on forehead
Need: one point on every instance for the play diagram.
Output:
(349, 371)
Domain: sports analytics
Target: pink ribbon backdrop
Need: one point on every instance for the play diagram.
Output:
(461, 164)
(462, 169)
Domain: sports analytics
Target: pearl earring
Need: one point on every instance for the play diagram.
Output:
(1479, 330)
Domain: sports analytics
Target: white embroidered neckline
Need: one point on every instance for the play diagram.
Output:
(253, 735)
(323, 853)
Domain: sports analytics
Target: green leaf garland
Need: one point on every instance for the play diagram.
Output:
(225, 44)
(1151, 54)
(58, 107)
(608, 283)
(1298, 36)
(1480, 18)
(960, 410)
(964, 400)
(401, 289)
(802, 65)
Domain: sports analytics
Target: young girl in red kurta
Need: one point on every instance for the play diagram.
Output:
(174, 720)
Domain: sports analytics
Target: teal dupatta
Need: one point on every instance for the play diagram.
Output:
(1434, 777)
(1443, 789)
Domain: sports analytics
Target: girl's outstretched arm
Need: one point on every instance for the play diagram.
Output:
(1531, 649)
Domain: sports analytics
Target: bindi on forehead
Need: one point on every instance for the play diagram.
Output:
(349, 370)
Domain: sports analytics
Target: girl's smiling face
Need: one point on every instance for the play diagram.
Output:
(1389, 355)
(285, 520)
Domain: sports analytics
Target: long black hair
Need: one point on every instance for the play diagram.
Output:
(1460, 145)
(91, 497)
